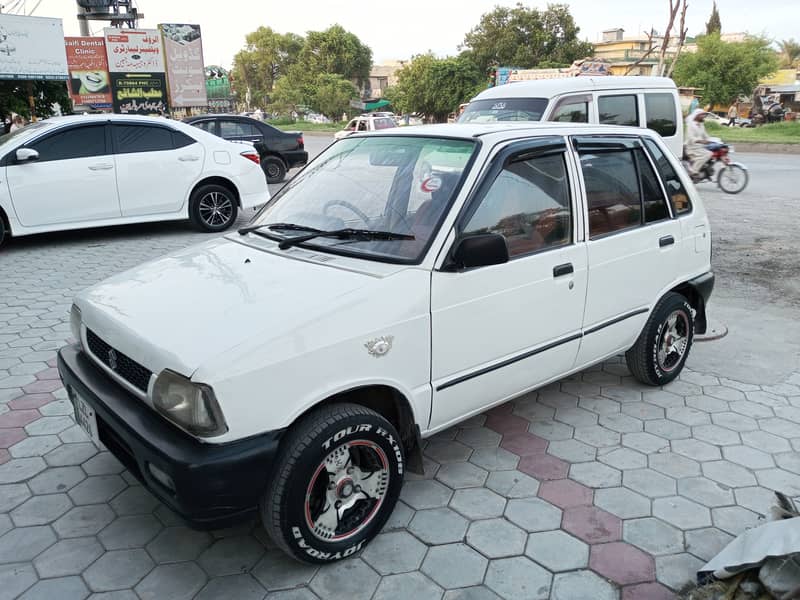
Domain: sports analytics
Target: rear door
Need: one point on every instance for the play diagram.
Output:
(73, 181)
(239, 131)
(156, 167)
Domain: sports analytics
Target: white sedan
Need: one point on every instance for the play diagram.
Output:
(99, 170)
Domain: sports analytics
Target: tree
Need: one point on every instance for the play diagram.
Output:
(333, 95)
(334, 50)
(266, 57)
(725, 70)
(789, 53)
(435, 86)
(714, 25)
(14, 97)
(525, 37)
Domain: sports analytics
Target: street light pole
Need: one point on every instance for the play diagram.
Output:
(83, 23)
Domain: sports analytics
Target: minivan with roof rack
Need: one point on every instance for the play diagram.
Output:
(650, 102)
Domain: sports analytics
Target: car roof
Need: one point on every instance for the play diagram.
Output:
(105, 117)
(547, 88)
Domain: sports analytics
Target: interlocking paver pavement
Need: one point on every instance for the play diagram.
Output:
(540, 496)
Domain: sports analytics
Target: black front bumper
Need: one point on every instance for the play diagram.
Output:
(215, 485)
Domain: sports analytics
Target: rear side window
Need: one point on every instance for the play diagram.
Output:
(678, 195)
(618, 110)
(209, 126)
(180, 139)
(76, 142)
(229, 129)
(660, 113)
(137, 138)
(612, 191)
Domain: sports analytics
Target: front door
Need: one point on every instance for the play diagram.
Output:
(503, 329)
(73, 181)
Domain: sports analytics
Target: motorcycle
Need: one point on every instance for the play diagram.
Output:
(731, 177)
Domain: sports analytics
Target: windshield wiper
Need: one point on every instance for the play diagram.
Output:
(363, 235)
(287, 226)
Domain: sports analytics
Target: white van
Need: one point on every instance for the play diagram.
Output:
(650, 102)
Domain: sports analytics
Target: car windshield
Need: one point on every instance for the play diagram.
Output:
(503, 109)
(397, 184)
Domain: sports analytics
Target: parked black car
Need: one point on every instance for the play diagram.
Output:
(279, 150)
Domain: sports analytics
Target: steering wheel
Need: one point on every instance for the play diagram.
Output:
(351, 207)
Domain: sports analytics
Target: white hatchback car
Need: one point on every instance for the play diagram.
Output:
(99, 170)
(366, 123)
(401, 283)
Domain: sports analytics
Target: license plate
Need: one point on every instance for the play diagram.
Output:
(85, 417)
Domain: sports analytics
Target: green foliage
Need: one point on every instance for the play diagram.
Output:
(789, 53)
(435, 86)
(333, 95)
(714, 25)
(786, 132)
(14, 97)
(267, 55)
(335, 50)
(725, 70)
(526, 37)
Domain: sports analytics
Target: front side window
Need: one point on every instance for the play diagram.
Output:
(528, 204)
(504, 109)
(362, 126)
(661, 114)
(403, 185)
(137, 138)
(618, 110)
(76, 142)
(574, 109)
(672, 182)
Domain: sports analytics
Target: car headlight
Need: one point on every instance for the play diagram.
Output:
(191, 406)
(75, 319)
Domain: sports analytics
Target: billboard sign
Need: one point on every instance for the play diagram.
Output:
(134, 50)
(139, 93)
(89, 81)
(32, 48)
(186, 79)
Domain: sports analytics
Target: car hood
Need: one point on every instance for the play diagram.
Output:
(186, 308)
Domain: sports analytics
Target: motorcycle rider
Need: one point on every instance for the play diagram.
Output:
(697, 141)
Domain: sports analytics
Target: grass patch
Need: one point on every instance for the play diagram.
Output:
(287, 125)
(787, 132)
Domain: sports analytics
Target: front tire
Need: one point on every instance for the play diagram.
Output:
(732, 179)
(336, 481)
(213, 208)
(274, 169)
(660, 352)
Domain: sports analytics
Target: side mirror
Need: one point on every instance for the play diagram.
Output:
(27, 155)
(480, 250)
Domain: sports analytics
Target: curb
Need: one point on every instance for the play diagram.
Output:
(716, 330)
(766, 148)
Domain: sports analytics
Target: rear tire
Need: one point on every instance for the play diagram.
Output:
(274, 169)
(336, 480)
(2, 228)
(660, 352)
(213, 208)
(732, 179)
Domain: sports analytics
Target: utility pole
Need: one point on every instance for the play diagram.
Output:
(82, 22)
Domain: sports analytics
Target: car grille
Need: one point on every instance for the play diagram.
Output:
(124, 367)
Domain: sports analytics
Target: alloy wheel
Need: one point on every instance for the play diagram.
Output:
(674, 341)
(216, 209)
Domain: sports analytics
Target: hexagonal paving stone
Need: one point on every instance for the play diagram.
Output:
(723, 393)
(508, 423)
(397, 552)
(277, 571)
(58, 479)
(178, 544)
(231, 556)
(597, 436)
(565, 493)
(765, 441)
(543, 467)
(461, 475)
(728, 473)
(345, 579)
(494, 459)
(518, 577)
(118, 570)
(533, 514)
(136, 500)
(751, 409)
(430, 468)
(180, 581)
(622, 502)
(653, 536)
(595, 475)
(496, 538)
(41, 510)
(103, 463)
(674, 465)
(757, 499)
(748, 457)
(438, 526)
(677, 570)
(557, 551)
(644, 442)
(572, 450)
(667, 429)
(687, 415)
(478, 503)
(524, 444)
(479, 436)
(16, 578)
(789, 461)
(471, 593)
(663, 399)
(643, 411)
(778, 479)
(425, 494)
(551, 430)
(681, 512)
(622, 458)
(621, 394)
(781, 427)
(599, 405)
(70, 455)
(12, 495)
(408, 585)
(716, 435)
(532, 410)
(734, 519)
(240, 587)
(454, 566)
(84, 520)
(591, 524)
(63, 588)
(447, 452)
(705, 491)
(512, 484)
(695, 449)
(21, 469)
(649, 483)
(622, 563)
(734, 421)
(705, 544)
(621, 423)
(766, 398)
(34, 446)
(95, 490)
(580, 585)
(130, 532)
(24, 543)
(68, 557)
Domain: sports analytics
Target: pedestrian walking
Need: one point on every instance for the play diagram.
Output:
(733, 113)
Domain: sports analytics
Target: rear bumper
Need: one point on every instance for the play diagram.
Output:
(214, 485)
(295, 158)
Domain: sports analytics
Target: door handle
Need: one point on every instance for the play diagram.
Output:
(561, 270)
(101, 167)
(189, 158)
(667, 240)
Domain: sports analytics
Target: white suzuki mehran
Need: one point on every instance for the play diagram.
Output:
(404, 281)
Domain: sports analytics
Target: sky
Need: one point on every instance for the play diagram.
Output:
(397, 31)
